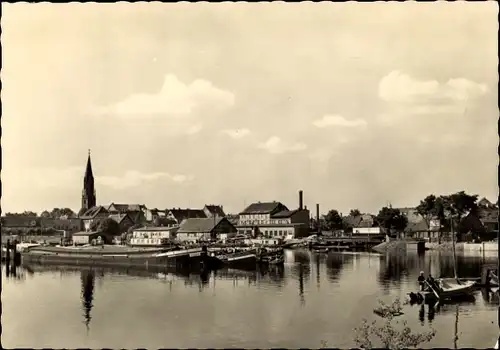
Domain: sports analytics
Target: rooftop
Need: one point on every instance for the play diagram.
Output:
(263, 208)
(199, 224)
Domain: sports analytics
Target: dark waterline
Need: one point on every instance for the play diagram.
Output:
(314, 298)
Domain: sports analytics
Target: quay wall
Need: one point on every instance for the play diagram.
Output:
(464, 247)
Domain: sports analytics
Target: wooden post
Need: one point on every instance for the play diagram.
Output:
(7, 254)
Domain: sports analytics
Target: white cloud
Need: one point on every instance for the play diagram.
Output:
(338, 120)
(236, 133)
(174, 99)
(194, 129)
(275, 145)
(135, 178)
(403, 88)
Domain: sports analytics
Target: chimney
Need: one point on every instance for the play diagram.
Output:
(301, 200)
(317, 212)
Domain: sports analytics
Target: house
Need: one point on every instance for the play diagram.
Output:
(137, 212)
(92, 215)
(485, 204)
(366, 231)
(274, 219)
(196, 229)
(152, 214)
(152, 236)
(234, 219)
(123, 220)
(212, 211)
(178, 215)
(87, 237)
(489, 219)
(411, 214)
(420, 229)
(358, 221)
(31, 224)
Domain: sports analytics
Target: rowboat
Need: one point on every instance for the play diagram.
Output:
(450, 288)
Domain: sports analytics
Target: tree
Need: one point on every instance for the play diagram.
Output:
(25, 213)
(390, 218)
(427, 207)
(457, 205)
(354, 212)
(333, 220)
(390, 335)
(45, 214)
(56, 213)
(109, 226)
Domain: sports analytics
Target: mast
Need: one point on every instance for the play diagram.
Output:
(454, 250)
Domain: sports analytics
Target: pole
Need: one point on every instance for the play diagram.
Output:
(454, 251)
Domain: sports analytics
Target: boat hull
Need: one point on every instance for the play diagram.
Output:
(194, 259)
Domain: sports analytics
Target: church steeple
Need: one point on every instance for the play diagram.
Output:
(88, 193)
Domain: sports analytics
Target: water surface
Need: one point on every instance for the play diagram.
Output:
(314, 298)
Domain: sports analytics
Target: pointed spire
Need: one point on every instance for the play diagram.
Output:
(88, 171)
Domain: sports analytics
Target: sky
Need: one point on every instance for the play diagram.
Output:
(182, 105)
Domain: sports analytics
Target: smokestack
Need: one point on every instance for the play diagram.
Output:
(301, 199)
(317, 212)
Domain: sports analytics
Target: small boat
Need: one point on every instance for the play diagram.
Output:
(244, 259)
(494, 279)
(450, 288)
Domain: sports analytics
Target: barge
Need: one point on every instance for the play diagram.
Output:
(120, 256)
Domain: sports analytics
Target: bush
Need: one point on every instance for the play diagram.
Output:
(391, 334)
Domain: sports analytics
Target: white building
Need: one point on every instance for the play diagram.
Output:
(274, 220)
(153, 236)
(366, 231)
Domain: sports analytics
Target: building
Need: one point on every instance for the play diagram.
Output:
(88, 193)
(486, 204)
(199, 229)
(178, 215)
(212, 211)
(39, 225)
(136, 212)
(274, 219)
(84, 237)
(123, 220)
(152, 236)
(153, 214)
(358, 221)
(367, 231)
(489, 219)
(92, 215)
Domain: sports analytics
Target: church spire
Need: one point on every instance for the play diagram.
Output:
(88, 193)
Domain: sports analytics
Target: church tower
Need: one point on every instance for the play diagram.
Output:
(88, 193)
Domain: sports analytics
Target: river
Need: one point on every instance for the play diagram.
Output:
(315, 298)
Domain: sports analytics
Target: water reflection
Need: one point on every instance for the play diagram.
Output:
(88, 279)
(266, 298)
(335, 263)
(398, 268)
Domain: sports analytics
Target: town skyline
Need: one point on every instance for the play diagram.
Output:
(233, 109)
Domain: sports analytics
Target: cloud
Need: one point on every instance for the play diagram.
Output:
(275, 145)
(175, 99)
(236, 133)
(194, 129)
(135, 178)
(338, 120)
(403, 88)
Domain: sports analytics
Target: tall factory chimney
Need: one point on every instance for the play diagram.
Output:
(301, 200)
(317, 214)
